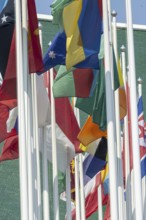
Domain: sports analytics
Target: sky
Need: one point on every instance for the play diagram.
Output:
(138, 9)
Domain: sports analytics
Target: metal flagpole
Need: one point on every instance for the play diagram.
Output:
(54, 152)
(21, 113)
(100, 213)
(134, 114)
(110, 118)
(126, 143)
(144, 178)
(118, 127)
(68, 193)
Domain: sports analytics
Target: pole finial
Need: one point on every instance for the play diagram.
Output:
(114, 13)
(123, 48)
(139, 80)
(40, 26)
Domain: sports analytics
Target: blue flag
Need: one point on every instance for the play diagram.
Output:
(56, 55)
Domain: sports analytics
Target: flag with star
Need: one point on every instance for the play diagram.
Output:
(56, 55)
(8, 93)
(7, 21)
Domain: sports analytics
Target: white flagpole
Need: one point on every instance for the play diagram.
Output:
(110, 118)
(77, 190)
(68, 193)
(118, 128)
(46, 204)
(21, 86)
(126, 144)
(100, 212)
(80, 208)
(134, 114)
(144, 178)
(45, 170)
(54, 152)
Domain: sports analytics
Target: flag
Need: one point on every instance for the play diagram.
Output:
(66, 119)
(91, 196)
(8, 93)
(95, 105)
(96, 161)
(65, 148)
(7, 21)
(74, 83)
(10, 149)
(56, 55)
(4, 114)
(142, 142)
(57, 7)
(90, 132)
(83, 34)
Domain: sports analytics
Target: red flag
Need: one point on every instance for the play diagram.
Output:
(4, 113)
(8, 93)
(10, 149)
(66, 119)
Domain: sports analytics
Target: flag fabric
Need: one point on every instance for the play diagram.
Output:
(10, 149)
(66, 119)
(91, 196)
(56, 55)
(74, 83)
(57, 7)
(96, 105)
(4, 114)
(142, 142)
(65, 148)
(90, 132)
(96, 161)
(8, 93)
(83, 34)
(7, 21)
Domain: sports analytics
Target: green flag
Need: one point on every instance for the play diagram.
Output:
(57, 9)
(74, 83)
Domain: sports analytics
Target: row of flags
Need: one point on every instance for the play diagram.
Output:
(79, 52)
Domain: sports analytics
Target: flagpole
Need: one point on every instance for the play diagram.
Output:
(100, 212)
(68, 193)
(139, 81)
(134, 114)
(54, 151)
(118, 127)
(110, 118)
(126, 143)
(21, 113)
(80, 159)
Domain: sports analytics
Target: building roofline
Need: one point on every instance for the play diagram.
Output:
(119, 25)
(135, 26)
(45, 17)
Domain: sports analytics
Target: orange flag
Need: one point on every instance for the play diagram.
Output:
(90, 132)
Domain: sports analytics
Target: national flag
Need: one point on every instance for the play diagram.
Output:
(83, 34)
(142, 142)
(56, 55)
(10, 149)
(95, 106)
(65, 148)
(91, 196)
(4, 114)
(8, 94)
(96, 160)
(74, 83)
(66, 119)
(90, 132)
(7, 21)
(57, 7)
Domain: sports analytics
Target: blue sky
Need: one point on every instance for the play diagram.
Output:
(138, 9)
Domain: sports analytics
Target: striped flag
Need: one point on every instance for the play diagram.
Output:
(142, 141)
